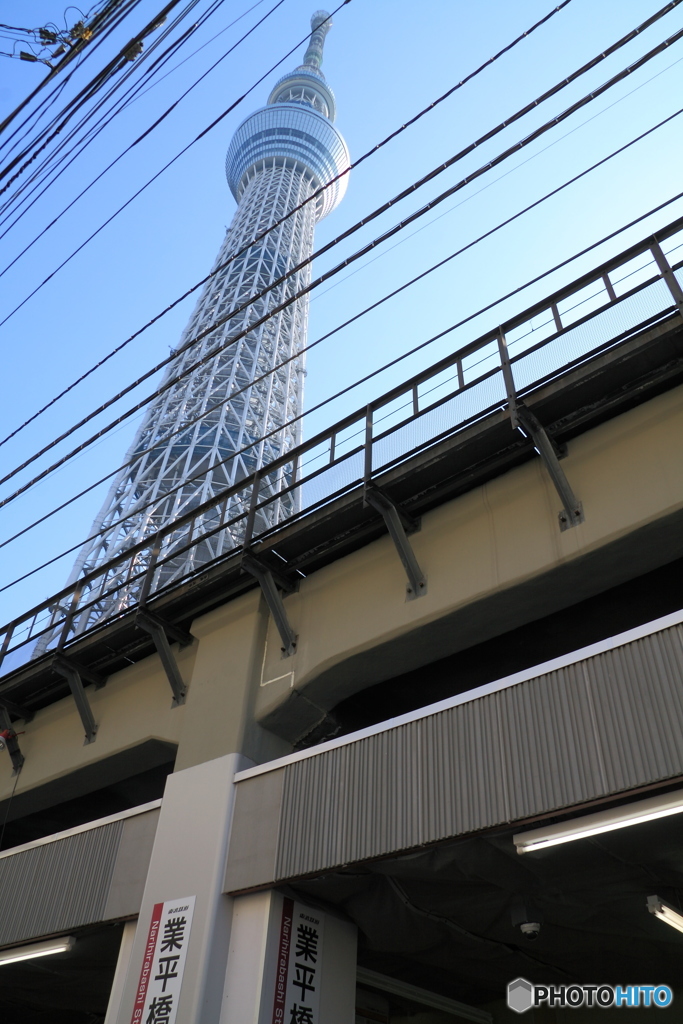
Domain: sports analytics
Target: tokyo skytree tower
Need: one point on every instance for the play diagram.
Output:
(279, 156)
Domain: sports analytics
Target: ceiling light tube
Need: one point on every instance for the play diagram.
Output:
(64, 944)
(604, 821)
(665, 913)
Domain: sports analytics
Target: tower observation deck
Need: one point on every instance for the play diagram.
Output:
(279, 156)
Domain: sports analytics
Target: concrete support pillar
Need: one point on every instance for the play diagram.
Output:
(288, 962)
(186, 868)
(125, 950)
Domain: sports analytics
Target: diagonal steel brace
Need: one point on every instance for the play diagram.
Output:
(11, 741)
(18, 710)
(74, 675)
(396, 521)
(160, 631)
(572, 511)
(268, 580)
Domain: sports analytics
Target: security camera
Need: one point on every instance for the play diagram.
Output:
(527, 917)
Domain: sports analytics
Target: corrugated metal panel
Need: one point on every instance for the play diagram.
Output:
(58, 886)
(597, 727)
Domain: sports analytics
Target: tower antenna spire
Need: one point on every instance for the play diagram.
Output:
(321, 23)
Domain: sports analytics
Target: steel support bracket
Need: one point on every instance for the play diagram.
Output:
(160, 631)
(395, 520)
(74, 675)
(551, 453)
(11, 741)
(18, 710)
(269, 580)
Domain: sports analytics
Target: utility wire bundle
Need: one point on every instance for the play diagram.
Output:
(385, 235)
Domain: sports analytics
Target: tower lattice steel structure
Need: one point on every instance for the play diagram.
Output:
(233, 413)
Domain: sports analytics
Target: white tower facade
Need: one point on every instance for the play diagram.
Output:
(234, 413)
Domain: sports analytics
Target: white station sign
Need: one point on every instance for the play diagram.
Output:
(163, 965)
(299, 965)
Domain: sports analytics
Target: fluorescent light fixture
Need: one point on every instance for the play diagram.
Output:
(17, 953)
(604, 821)
(664, 912)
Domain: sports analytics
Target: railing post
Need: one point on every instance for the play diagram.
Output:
(367, 473)
(556, 316)
(70, 616)
(609, 287)
(251, 517)
(668, 275)
(149, 575)
(508, 378)
(7, 641)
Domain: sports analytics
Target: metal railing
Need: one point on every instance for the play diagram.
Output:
(598, 311)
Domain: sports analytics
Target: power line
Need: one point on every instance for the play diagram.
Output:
(353, 165)
(436, 103)
(512, 170)
(143, 88)
(84, 54)
(311, 198)
(68, 57)
(511, 150)
(147, 132)
(340, 327)
(382, 369)
(130, 54)
(205, 131)
(200, 48)
(49, 167)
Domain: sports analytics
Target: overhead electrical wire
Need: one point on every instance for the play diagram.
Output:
(621, 42)
(134, 92)
(436, 102)
(67, 159)
(93, 85)
(405, 355)
(511, 150)
(61, 119)
(204, 132)
(141, 58)
(200, 48)
(86, 48)
(54, 165)
(490, 184)
(368, 309)
(35, 115)
(151, 70)
(313, 197)
(84, 95)
(145, 134)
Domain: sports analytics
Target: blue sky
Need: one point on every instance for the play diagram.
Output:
(385, 61)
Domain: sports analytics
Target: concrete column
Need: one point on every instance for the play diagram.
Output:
(188, 860)
(125, 950)
(286, 959)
